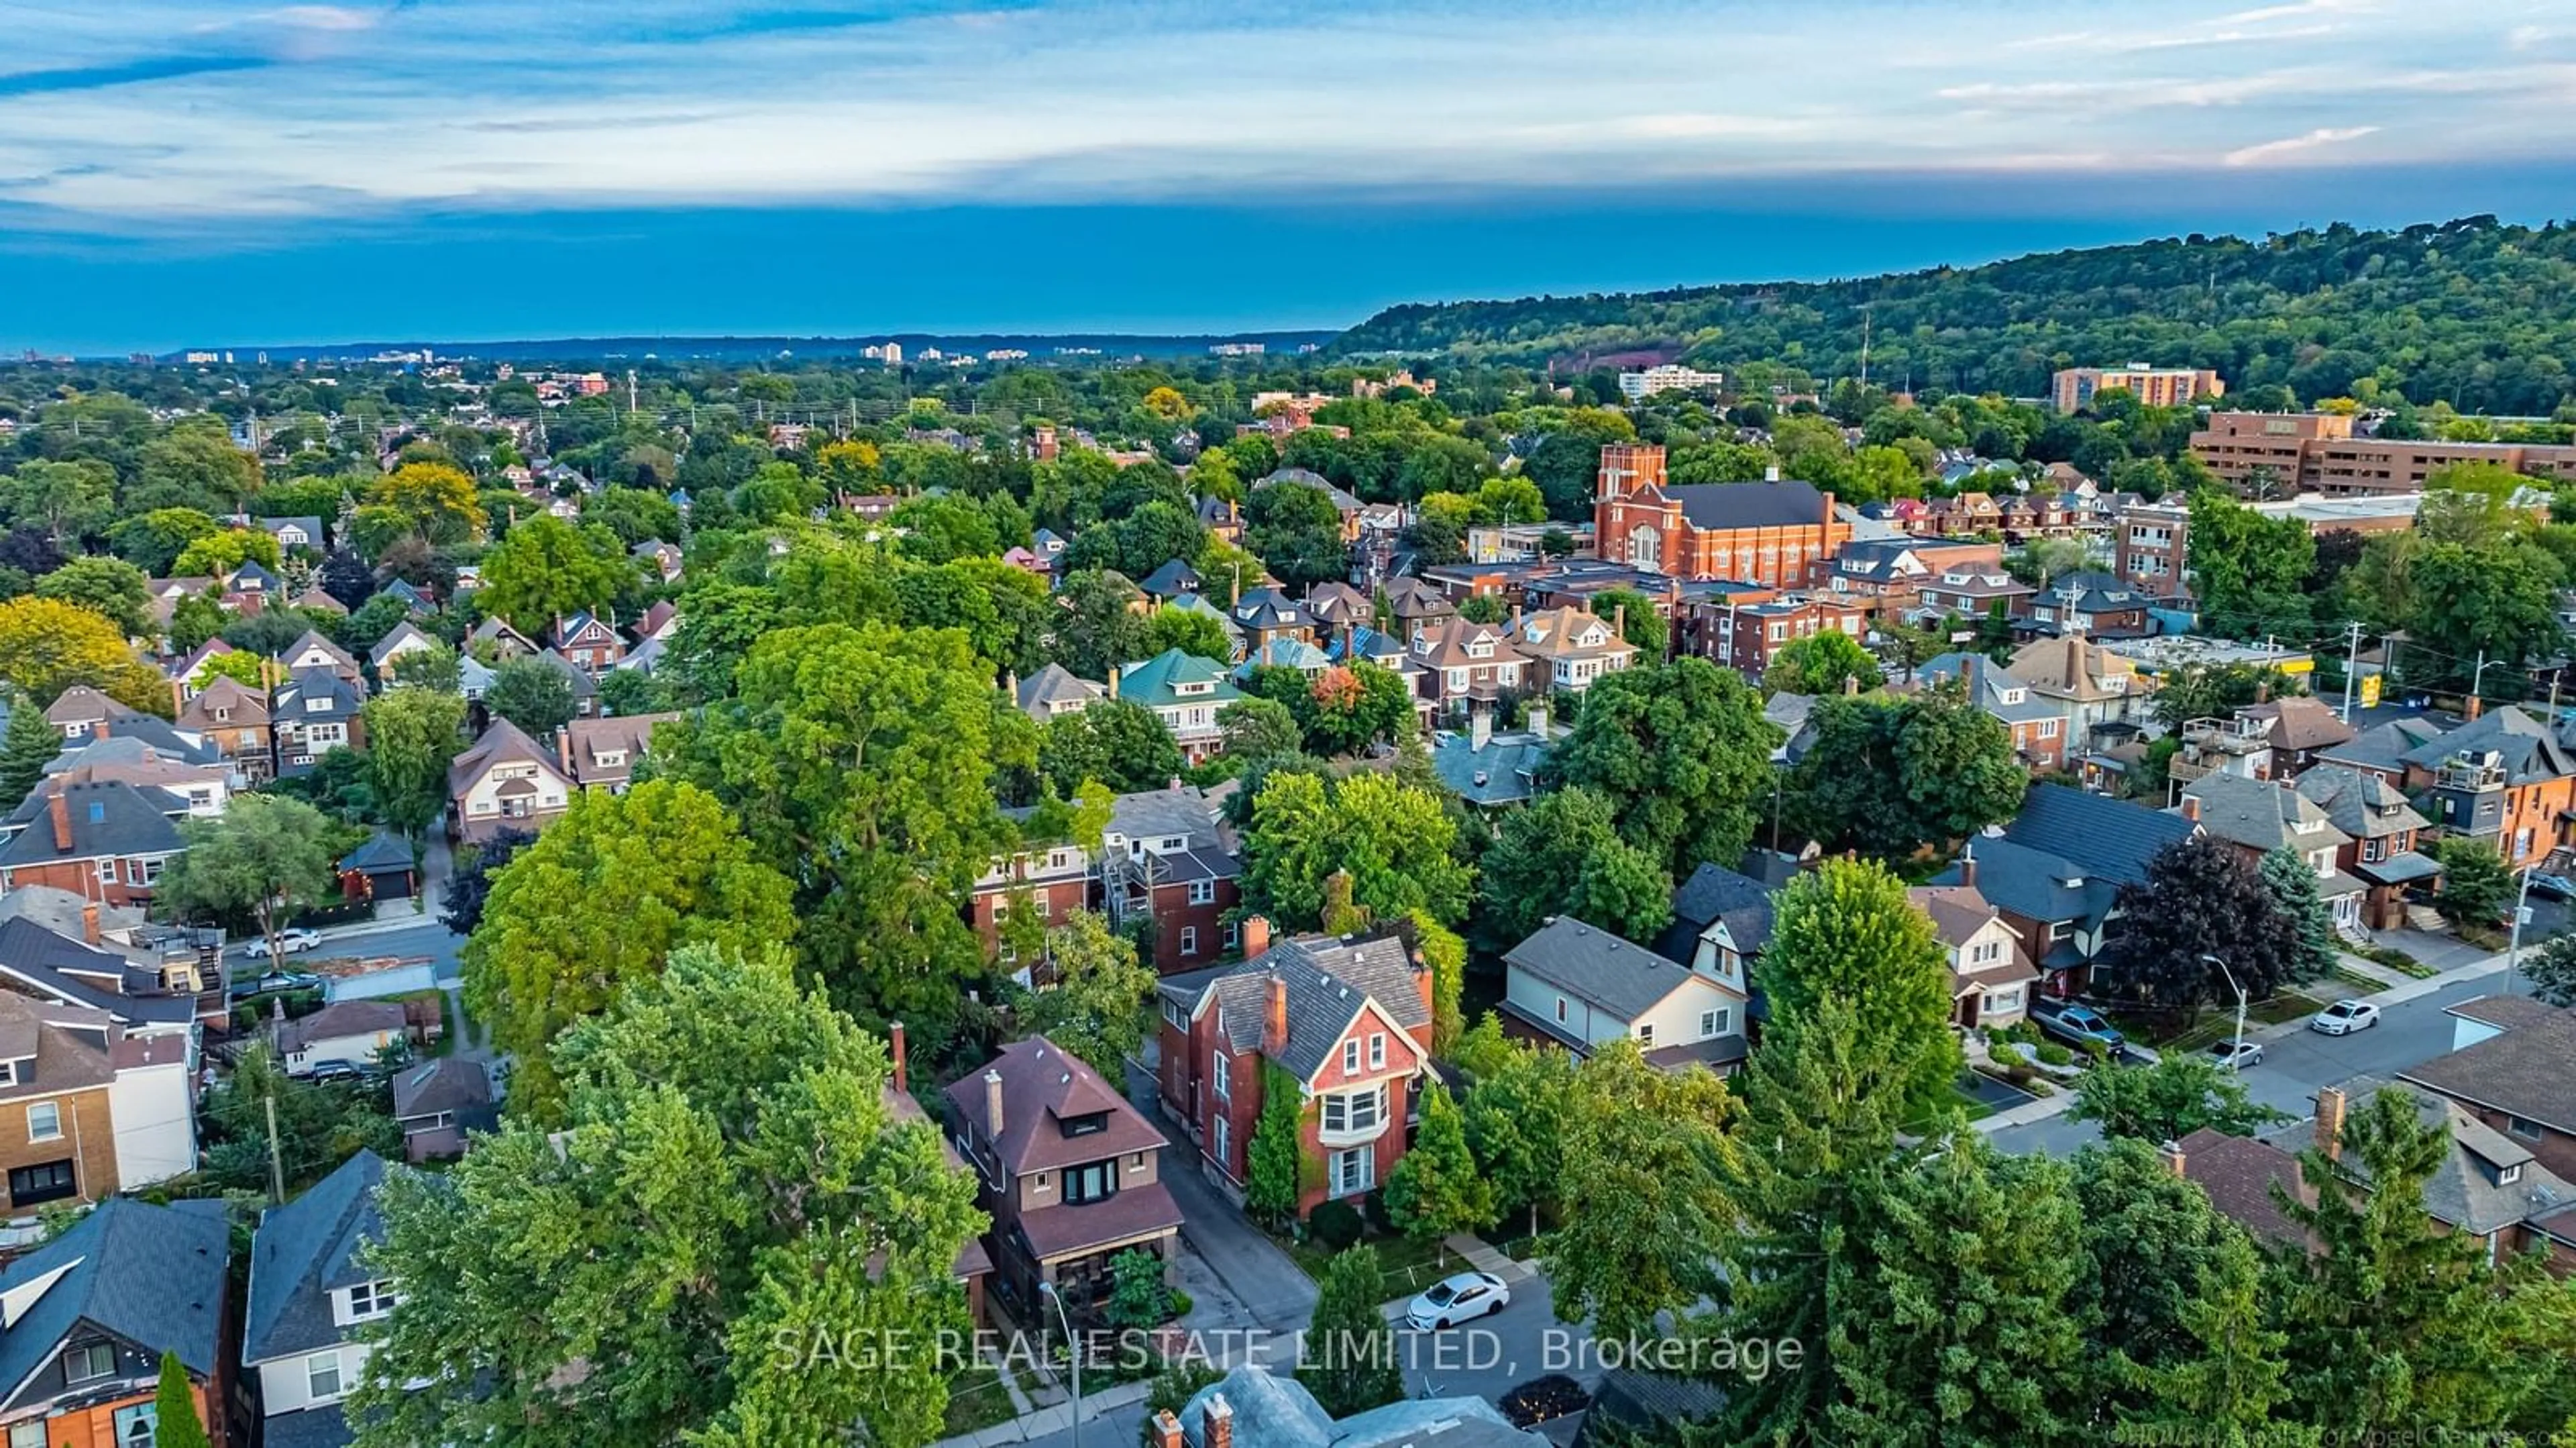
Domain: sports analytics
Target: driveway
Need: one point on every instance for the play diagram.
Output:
(1260, 1276)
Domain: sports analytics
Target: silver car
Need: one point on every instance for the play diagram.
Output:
(1456, 1299)
(2345, 1017)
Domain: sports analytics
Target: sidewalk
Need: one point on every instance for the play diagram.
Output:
(2046, 1107)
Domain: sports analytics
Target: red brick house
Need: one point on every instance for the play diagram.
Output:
(106, 841)
(1165, 853)
(1744, 636)
(1783, 534)
(1348, 1020)
(587, 642)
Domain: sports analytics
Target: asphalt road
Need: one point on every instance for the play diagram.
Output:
(425, 938)
(2296, 1063)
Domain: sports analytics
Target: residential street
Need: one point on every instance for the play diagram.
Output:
(2297, 1061)
(422, 935)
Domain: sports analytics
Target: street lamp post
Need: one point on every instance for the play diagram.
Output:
(2513, 945)
(1073, 1355)
(2235, 1057)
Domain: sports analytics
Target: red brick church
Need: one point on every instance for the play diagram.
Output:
(1775, 533)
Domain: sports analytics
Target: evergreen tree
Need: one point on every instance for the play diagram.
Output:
(1435, 1190)
(1274, 1159)
(2395, 1322)
(345, 577)
(176, 1424)
(2552, 970)
(26, 747)
(2293, 883)
(1820, 1094)
(1949, 1319)
(1348, 1359)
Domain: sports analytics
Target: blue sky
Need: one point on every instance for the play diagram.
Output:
(189, 172)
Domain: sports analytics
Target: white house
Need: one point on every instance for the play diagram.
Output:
(312, 1296)
(351, 1031)
(1582, 986)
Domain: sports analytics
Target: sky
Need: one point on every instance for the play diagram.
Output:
(196, 172)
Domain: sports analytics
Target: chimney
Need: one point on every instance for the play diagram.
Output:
(2191, 808)
(89, 924)
(1516, 620)
(2174, 1159)
(1256, 936)
(1274, 1019)
(2330, 1121)
(1851, 686)
(1480, 730)
(894, 1048)
(61, 808)
(2470, 710)
(1167, 1430)
(2263, 691)
(1538, 721)
(993, 1105)
(1619, 621)
(1218, 1429)
(1113, 681)
(1968, 867)
(563, 749)
(1011, 684)
(1771, 474)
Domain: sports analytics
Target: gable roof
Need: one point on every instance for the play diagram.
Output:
(312, 645)
(2529, 751)
(2037, 885)
(1620, 980)
(1154, 682)
(503, 743)
(2301, 722)
(441, 1084)
(1994, 689)
(2462, 1191)
(402, 635)
(153, 1276)
(1171, 580)
(2238, 1173)
(1330, 982)
(2073, 669)
(341, 1018)
(1785, 504)
(106, 817)
(2112, 837)
(2261, 815)
(2361, 805)
(303, 1250)
(1053, 685)
(84, 704)
(247, 706)
(47, 964)
(1711, 894)
(2384, 746)
(1043, 1085)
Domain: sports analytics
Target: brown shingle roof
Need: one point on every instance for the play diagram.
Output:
(1042, 1087)
(2523, 1072)
(2238, 1173)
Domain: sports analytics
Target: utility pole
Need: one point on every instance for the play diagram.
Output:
(276, 1158)
(2351, 661)
(1864, 349)
(630, 391)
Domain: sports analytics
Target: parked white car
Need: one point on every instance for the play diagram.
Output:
(1456, 1299)
(294, 941)
(2345, 1017)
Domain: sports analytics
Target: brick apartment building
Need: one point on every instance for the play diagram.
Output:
(2318, 452)
(1783, 534)
(2151, 548)
(1349, 1021)
(2074, 388)
(1744, 636)
(1166, 854)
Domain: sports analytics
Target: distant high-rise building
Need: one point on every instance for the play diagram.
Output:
(2074, 388)
(2319, 452)
(1670, 377)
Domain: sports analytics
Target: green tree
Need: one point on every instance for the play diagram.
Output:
(1514, 1116)
(2500, 602)
(1189, 630)
(1951, 1329)
(1682, 752)
(862, 763)
(1259, 729)
(1891, 776)
(1348, 1360)
(1847, 931)
(2173, 1098)
(1118, 742)
(2250, 570)
(26, 748)
(1297, 532)
(1137, 1297)
(2395, 1322)
(62, 499)
(731, 1204)
(1347, 708)
(1821, 663)
(1097, 631)
(265, 857)
(1435, 1189)
(533, 694)
(436, 668)
(2293, 883)
(602, 899)
(153, 541)
(2551, 969)
(1647, 1158)
(1395, 840)
(1562, 855)
(546, 569)
(1274, 1160)
(1096, 1006)
(196, 467)
(222, 554)
(109, 587)
(429, 501)
(1640, 625)
(2477, 888)
(1444, 954)
(174, 1403)
(411, 739)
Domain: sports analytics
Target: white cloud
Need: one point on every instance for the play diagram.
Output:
(2267, 151)
(494, 103)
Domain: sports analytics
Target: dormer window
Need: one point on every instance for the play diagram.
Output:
(2507, 1175)
(370, 1300)
(1480, 650)
(1088, 1124)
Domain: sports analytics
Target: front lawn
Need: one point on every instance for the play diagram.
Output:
(1409, 1266)
(976, 1399)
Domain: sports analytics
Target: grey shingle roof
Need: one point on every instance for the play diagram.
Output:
(2385, 746)
(2363, 806)
(153, 1276)
(2261, 815)
(2523, 1072)
(2463, 1190)
(443, 1083)
(302, 1251)
(1503, 772)
(1055, 684)
(43, 963)
(2530, 752)
(2110, 837)
(2034, 884)
(1714, 893)
(108, 818)
(1171, 580)
(1329, 981)
(1786, 504)
(323, 1427)
(1615, 977)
